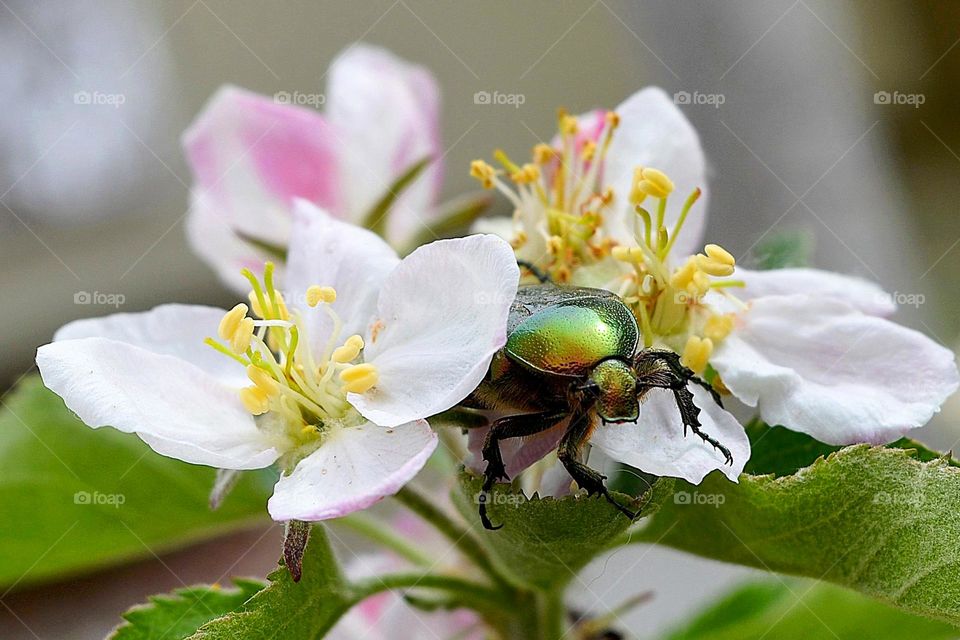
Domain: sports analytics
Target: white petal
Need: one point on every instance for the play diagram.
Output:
(171, 329)
(653, 132)
(656, 442)
(821, 367)
(441, 316)
(351, 259)
(354, 468)
(386, 114)
(178, 409)
(861, 294)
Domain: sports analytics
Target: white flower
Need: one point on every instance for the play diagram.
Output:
(253, 155)
(808, 348)
(333, 382)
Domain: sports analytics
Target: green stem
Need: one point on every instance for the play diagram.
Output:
(552, 615)
(380, 533)
(471, 593)
(468, 544)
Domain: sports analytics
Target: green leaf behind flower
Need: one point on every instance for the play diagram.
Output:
(77, 499)
(801, 610)
(882, 521)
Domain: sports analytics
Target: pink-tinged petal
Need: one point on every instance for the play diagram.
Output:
(353, 468)
(656, 442)
(441, 316)
(177, 408)
(518, 453)
(653, 132)
(250, 158)
(861, 294)
(386, 114)
(327, 252)
(819, 366)
(177, 330)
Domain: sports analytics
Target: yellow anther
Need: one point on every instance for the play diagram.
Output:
(526, 174)
(718, 327)
(240, 340)
(621, 253)
(261, 379)
(231, 321)
(350, 350)
(684, 275)
(656, 183)
(719, 254)
(612, 119)
(359, 378)
(698, 285)
(555, 245)
(696, 353)
(282, 306)
(543, 153)
(254, 304)
(713, 267)
(637, 195)
(255, 400)
(317, 294)
(519, 239)
(568, 123)
(588, 151)
(483, 172)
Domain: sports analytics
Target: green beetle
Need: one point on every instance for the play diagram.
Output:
(572, 353)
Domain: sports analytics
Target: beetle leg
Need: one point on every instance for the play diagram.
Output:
(516, 426)
(569, 452)
(672, 360)
(534, 271)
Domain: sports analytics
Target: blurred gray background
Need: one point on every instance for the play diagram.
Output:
(93, 187)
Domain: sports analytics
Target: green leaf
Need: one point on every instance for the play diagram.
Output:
(77, 499)
(783, 452)
(376, 218)
(780, 451)
(544, 542)
(288, 609)
(180, 614)
(783, 250)
(454, 218)
(808, 610)
(879, 520)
